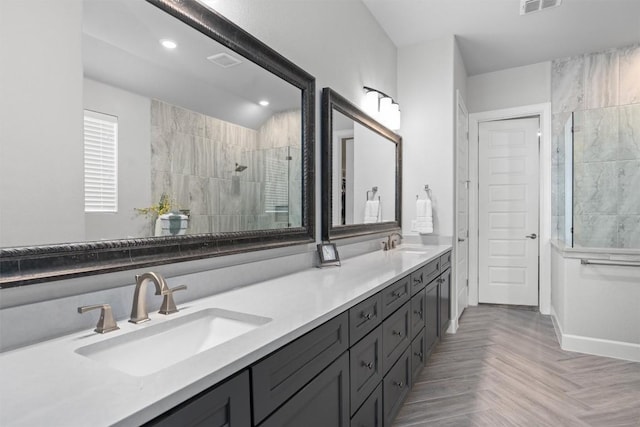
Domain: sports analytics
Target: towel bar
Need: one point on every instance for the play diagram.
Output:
(608, 262)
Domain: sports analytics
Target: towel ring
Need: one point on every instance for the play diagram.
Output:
(426, 190)
(373, 191)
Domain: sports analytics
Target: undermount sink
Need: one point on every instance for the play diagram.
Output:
(411, 250)
(157, 347)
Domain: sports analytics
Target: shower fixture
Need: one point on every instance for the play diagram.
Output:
(240, 168)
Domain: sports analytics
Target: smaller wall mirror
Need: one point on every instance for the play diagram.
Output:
(361, 171)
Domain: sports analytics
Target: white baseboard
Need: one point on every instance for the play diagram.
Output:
(453, 326)
(595, 346)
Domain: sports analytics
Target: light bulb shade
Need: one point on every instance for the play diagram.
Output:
(394, 119)
(370, 104)
(385, 110)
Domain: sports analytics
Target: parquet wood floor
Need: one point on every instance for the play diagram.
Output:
(504, 367)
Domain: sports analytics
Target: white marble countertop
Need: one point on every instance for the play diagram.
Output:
(50, 384)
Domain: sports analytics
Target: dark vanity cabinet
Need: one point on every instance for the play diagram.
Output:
(353, 370)
(226, 404)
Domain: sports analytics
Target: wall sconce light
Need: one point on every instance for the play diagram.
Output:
(382, 107)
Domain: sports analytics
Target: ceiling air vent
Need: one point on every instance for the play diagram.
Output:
(224, 60)
(530, 6)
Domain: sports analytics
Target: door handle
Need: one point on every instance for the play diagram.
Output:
(460, 239)
(532, 236)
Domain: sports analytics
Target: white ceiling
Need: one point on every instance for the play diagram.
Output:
(493, 35)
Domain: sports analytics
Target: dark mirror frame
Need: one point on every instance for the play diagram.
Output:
(36, 264)
(331, 101)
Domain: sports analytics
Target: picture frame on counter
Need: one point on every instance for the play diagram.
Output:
(328, 254)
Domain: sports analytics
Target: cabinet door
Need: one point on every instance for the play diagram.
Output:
(365, 360)
(321, 403)
(396, 336)
(279, 376)
(431, 315)
(226, 404)
(393, 296)
(370, 413)
(418, 305)
(418, 355)
(445, 292)
(364, 317)
(396, 386)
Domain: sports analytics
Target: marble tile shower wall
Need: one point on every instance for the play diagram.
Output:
(603, 90)
(193, 160)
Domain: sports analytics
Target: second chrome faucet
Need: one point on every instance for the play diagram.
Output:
(139, 312)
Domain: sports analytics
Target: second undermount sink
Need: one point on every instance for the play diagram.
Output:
(411, 250)
(159, 346)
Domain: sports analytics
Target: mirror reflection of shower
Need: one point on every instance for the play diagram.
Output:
(264, 181)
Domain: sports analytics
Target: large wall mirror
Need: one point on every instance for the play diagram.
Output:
(361, 171)
(188, 150)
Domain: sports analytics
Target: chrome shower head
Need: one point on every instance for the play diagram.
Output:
(240, 168)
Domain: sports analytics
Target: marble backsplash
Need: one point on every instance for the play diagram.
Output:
(194, 159)
(603, 91)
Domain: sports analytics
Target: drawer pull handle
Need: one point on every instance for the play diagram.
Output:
(399, 294)
(397, 333)
(368, 365)
(419, 313)
(419, 354)
(418, 279)
(366, 315)
(399, 384)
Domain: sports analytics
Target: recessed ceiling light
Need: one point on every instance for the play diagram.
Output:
(169, 44)
(264, 102)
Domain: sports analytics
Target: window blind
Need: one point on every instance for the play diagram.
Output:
(100, 162)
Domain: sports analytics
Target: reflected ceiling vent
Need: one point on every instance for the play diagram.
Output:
(530, 6)
(224, 60)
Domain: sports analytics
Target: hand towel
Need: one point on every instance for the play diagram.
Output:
(424, 216)
(371, 211)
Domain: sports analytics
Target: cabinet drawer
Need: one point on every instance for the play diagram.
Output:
(365, 360)
(418, 281)
(370, 413)
(418, 355)
(432, 270)
(225, 404)
(418, 305)
(364, 317)
(393, 296)
(445, 261)
(279, 376)
(396, 386)
(396, 336)
(321, 403)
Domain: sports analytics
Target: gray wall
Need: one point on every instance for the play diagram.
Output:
(513, 87)
(41, 116)
(134, 182)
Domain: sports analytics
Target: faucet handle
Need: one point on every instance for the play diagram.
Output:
(168, 304)
(106, 322)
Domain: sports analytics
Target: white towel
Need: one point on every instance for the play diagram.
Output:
(423, 209)
(371, 211)
(424, 216)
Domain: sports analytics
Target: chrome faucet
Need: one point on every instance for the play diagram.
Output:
(139, 311)
(391, 242)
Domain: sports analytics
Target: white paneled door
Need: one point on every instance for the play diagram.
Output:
(508, 212)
